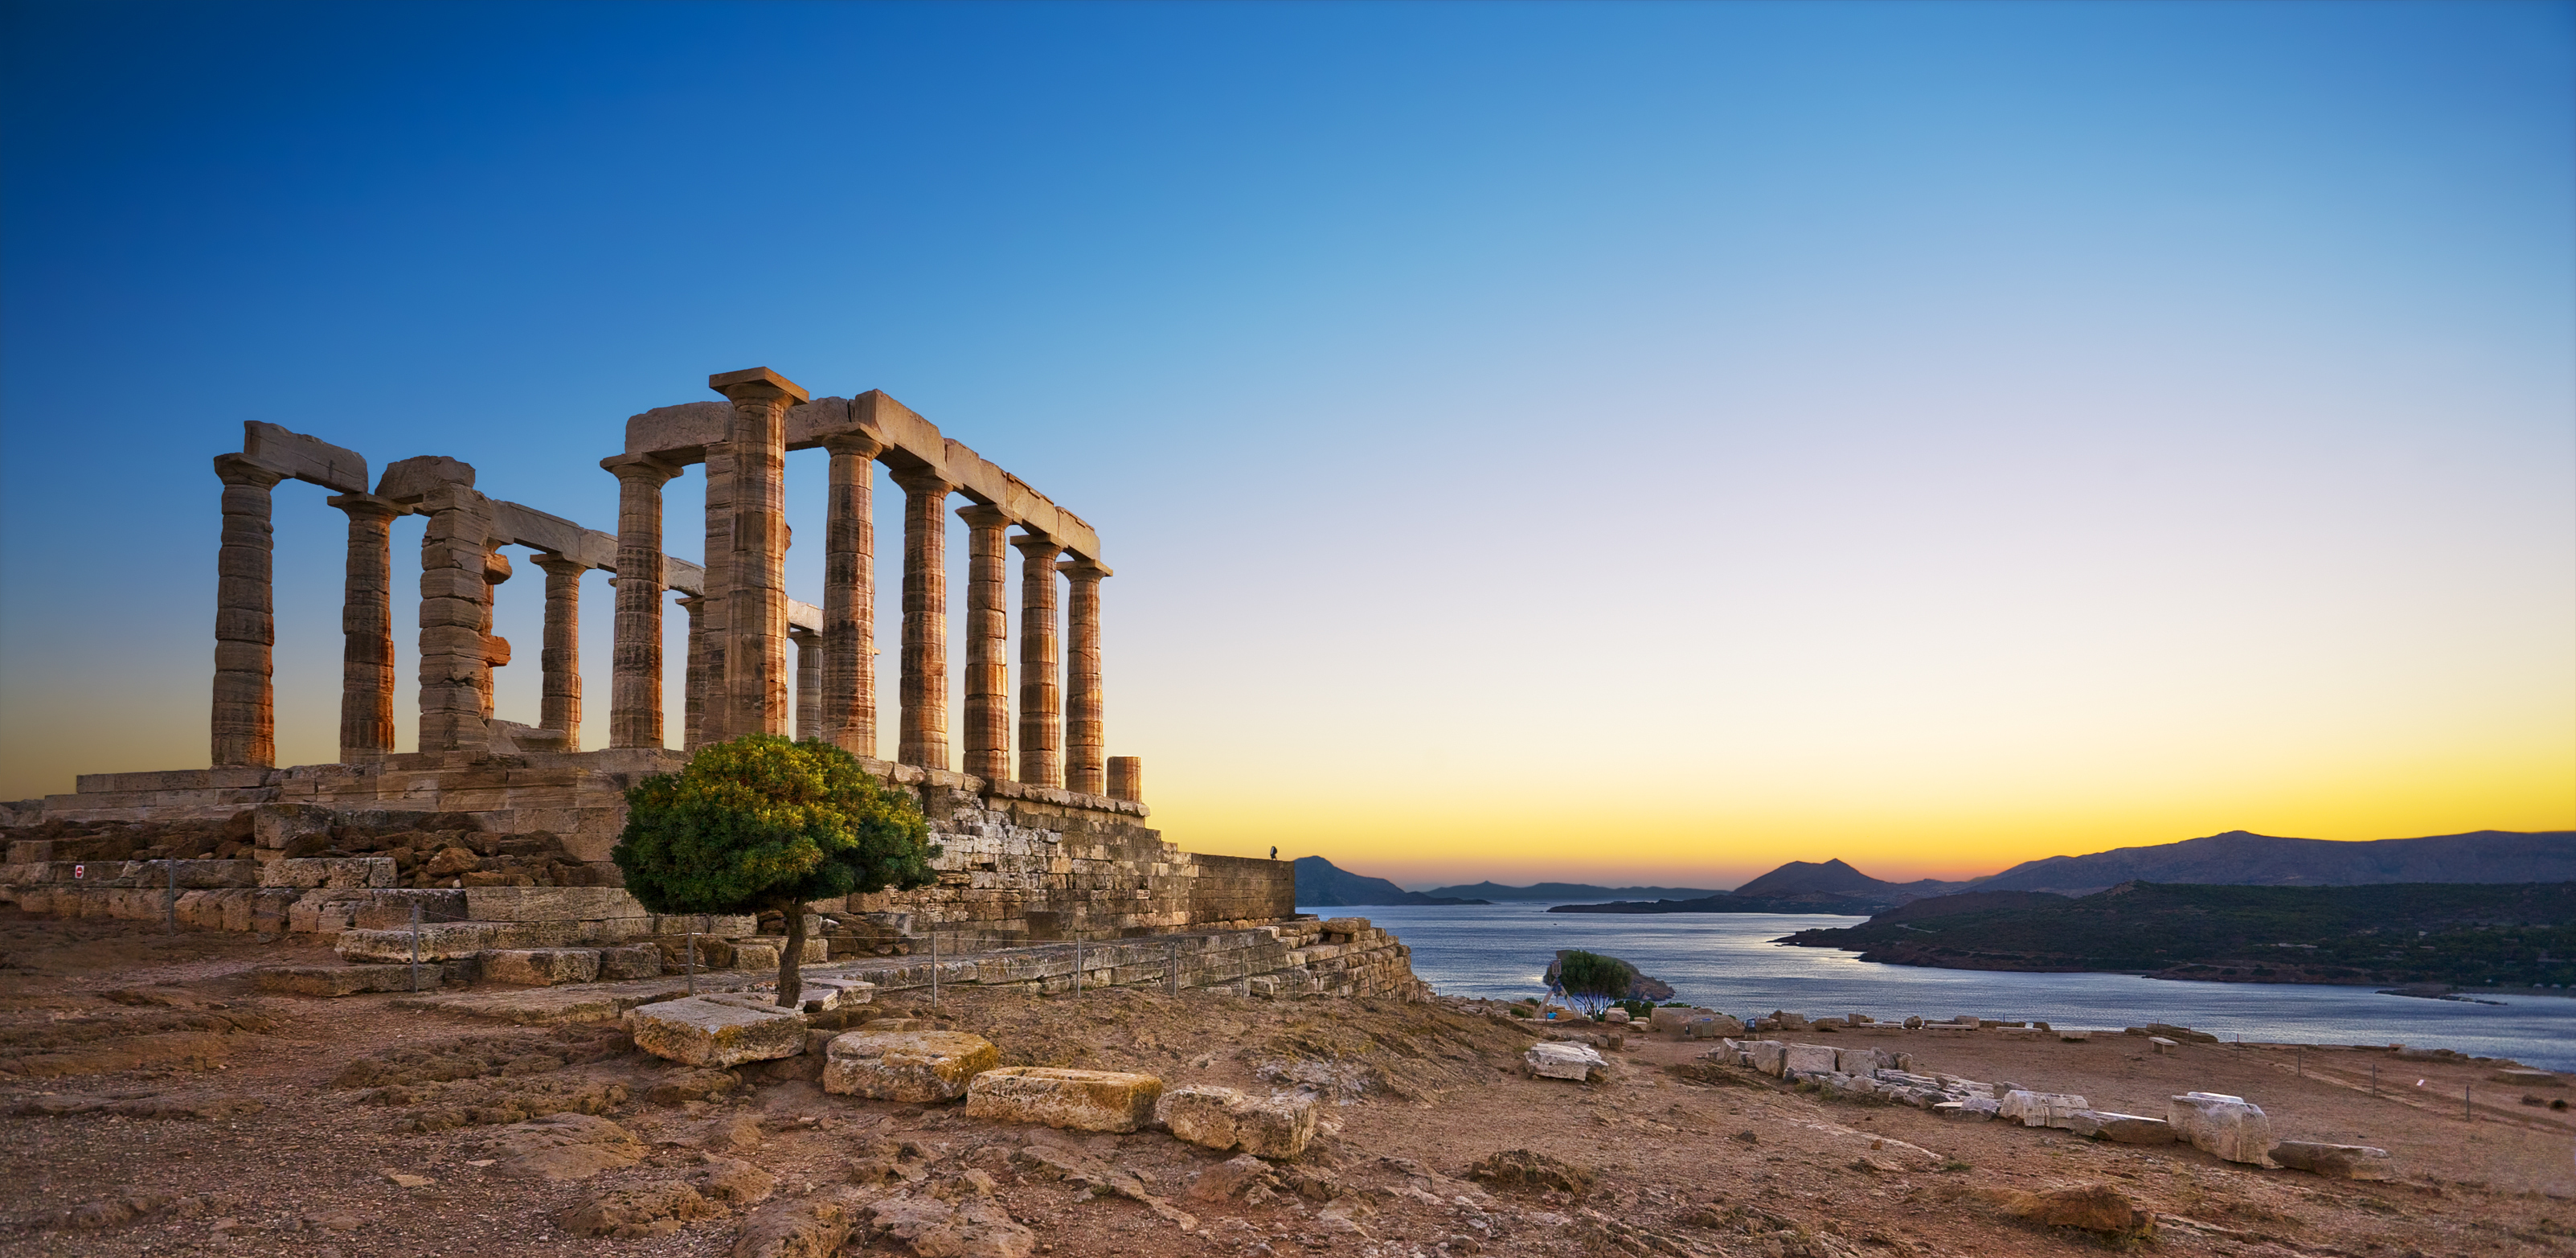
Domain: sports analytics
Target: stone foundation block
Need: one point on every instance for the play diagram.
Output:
(390, 909)
(755, 956)
(2225, 1126)
(623, 963)
(546, 904)
(1861, 1062)
(2337, 1161)
(1078, 1100)
(1560, 1060)
(442, 940)
(823, 995)
(1224, 1119)
(912, 1066)
(2120, 1128)
(2039, 1109)
(696, 1031)
(1809, 1059)
(329, 871)
(276, 826)
(540, 967)
(340, 980)
(1711, 1027)
(1771, 1057)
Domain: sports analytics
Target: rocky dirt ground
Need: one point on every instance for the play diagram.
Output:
(155, 1104)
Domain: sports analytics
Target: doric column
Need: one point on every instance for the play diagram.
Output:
(756, 676)
(809, 682)
(635, 684)
(245, 718)
(707, 639)
(924, 737)
(1085, 744)
(367, 631)
(457, 649)
(849, 702)
(1127, 778)
(1041, 700)
(988, 645)
(693, 688)
(561, 655)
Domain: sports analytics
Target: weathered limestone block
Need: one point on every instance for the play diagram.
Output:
(325, 911)
(340, 980)
(391, 908)
(1975, 1109)
(1809, 1059)
(539, 904)
(1711, 1027)
(2039, 1109)
(2119, 1128)
(1671, 1020)
(1860, 1062)
(540, 967)
(2336, 1161)
(1771, 1057)
(697, 1031)
(442, 940)
(2521, 1075)
(756, 956)
(633, 962)
(2161, 1045)
(823, 995)
(2228, 1127)
(912, 1066)
(1078, 1100)
(333, 871)
(1224, 1119)
(1559, 1060)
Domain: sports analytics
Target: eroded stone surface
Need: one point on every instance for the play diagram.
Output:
(2120, 1128)
(2338, 1161)
(540, 967)
(2225, 1126)
(1225, 1120)
(1080, 1100)
(914, 1066)
(1559, 1060)
(698, 1031)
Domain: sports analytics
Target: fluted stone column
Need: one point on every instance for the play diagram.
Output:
(635, 684)
(809, 682)
(245, 716)
(1085, 743)
(924, 737)
(988, 645)
(693, 689)
(707, 635)
(849, 699)
(457, 649)
(1041, 710)
(560, 658)
(756, 668)
(1127, 778)
(367, 631)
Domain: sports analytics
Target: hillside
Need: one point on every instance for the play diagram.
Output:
(2238, 858)
(1322, 884)
(1833, 877)
(2470, 935)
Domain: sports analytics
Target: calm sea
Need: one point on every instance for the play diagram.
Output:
(1726, 961)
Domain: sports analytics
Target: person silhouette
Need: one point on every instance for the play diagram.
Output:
(1274, 853)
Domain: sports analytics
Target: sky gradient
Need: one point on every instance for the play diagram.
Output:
(1600, 443)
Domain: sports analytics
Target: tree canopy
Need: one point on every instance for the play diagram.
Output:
(1593, 981)
(762, 824)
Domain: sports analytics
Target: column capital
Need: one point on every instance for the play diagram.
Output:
(1084, 569)
(240, 469)
(558, 565)
(1038, 546)
(864, 445)
(640, 467)
(367, 506)
(757, 384)
(690, 601)
(802, 634)
(922, 480)
(984, 516)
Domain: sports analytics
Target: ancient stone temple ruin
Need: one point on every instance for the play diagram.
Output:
(1050, 844)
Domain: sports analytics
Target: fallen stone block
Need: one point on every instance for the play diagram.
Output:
(2227, 1127)
(802, 1227)
(2074, 1037)
(540, 967)
(1975, 1109)
(1809, 1059)
(625, 963)
(2161, 1045)
(2039, 1109)
(1771, 1057)
(1671, 1020)
(1079, 1100)
(2526, 1077)
(2120, 1128)
(2091, 1207)
(1712, 1027)
(823, 995)
(1862, 1062)
(1225, 1120)
(917, 1067)
(697, 1031)
(1561, 1060)
(2336, 1161)
(339, 980)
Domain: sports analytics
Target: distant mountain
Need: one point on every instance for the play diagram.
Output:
(1836, 878)
(1499, 893)
(2238, 858)
(1322, 884)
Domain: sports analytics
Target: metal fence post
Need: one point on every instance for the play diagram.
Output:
(692, 945)
(1077, 965)
(172, 908)
(1171, 967)
(2467, 1114)
(934, 965)
(415, 943)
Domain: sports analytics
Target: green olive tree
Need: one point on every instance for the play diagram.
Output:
(762, 824)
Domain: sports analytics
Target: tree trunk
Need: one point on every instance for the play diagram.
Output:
(791, 988)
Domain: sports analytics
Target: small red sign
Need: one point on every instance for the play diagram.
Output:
(80, 871)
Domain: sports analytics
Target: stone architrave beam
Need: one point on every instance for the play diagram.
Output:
(686, 433)
(294, 456)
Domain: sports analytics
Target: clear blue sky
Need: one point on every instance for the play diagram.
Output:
(1927, 434)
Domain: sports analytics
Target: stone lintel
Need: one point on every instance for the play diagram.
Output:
(308, 459)
(804, 617)
(407, 481)
(756, 383)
